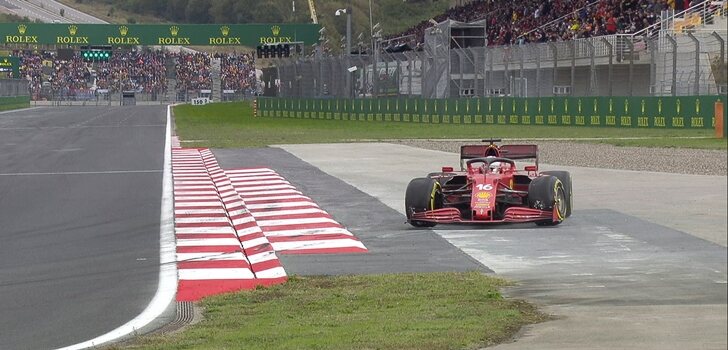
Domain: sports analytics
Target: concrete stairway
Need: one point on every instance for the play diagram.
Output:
(216, 78)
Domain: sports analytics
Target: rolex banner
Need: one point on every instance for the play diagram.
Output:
(249, 35)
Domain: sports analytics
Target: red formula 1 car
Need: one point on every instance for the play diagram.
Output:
(489, 188)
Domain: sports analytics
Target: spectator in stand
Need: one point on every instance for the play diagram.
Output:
(509, 22)
(193, 71)
(141, 71)
(132, 70)
(238, 72)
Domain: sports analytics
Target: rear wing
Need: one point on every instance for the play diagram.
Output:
(514, 152)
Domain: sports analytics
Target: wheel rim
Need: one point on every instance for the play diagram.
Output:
(560, 202)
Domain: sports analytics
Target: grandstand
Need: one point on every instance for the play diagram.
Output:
(531, 49)
(154, 74)
(509, 22)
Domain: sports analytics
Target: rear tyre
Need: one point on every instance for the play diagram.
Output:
(547, 193)
(422, 194)
(565, 179)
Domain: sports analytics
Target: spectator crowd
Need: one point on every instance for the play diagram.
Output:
(518, 22)
(141, 71)
(237, 71)
(144, 71)
(193, 71)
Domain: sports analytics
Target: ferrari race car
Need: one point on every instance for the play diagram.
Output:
(489, 188)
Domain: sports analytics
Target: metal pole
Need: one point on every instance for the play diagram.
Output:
(697, 63)
(375, 70)
(722, 45)
(347, 56)
(522, 92)
(592, 69)
(673, 43)
(630, 43)
(371, 25)
(653, 65)
(572, 51)
(554, 73)
(506, 73)
(348, 30)
(537, 47)
(722, 50)
(610, 47)
(476, 70)
(486, 71)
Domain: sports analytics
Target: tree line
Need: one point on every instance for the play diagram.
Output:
(216, 11)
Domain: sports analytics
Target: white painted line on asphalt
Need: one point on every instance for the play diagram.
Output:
(23, 111)
(167, 287)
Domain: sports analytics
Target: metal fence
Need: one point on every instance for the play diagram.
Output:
(13, 87)
(617, 65)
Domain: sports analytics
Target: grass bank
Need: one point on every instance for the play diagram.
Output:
(232, 125)
(14, 102)
(393, 311)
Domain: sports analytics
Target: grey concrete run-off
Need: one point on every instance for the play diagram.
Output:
(641, 264)
(80, 193)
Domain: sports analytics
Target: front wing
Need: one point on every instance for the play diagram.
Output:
(511, 215)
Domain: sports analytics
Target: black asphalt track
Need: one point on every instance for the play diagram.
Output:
(80, 192)
(393, 245)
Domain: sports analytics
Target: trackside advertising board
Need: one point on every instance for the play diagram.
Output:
(689, 112)
(157, 34)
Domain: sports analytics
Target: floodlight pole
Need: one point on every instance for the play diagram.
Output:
(348, 30)
(371, 25)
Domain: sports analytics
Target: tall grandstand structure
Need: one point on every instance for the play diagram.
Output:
(664, 52)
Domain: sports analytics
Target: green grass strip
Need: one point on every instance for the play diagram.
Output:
(232, 125)
(393, 311)
(14, 102)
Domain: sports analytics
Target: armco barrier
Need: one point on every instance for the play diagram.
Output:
(690, 112)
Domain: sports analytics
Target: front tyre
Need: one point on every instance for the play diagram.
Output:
(565, 179)
(422, 194)
(547, 193)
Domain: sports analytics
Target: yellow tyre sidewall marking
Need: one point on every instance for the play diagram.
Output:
(432, 195)
(557, 200)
